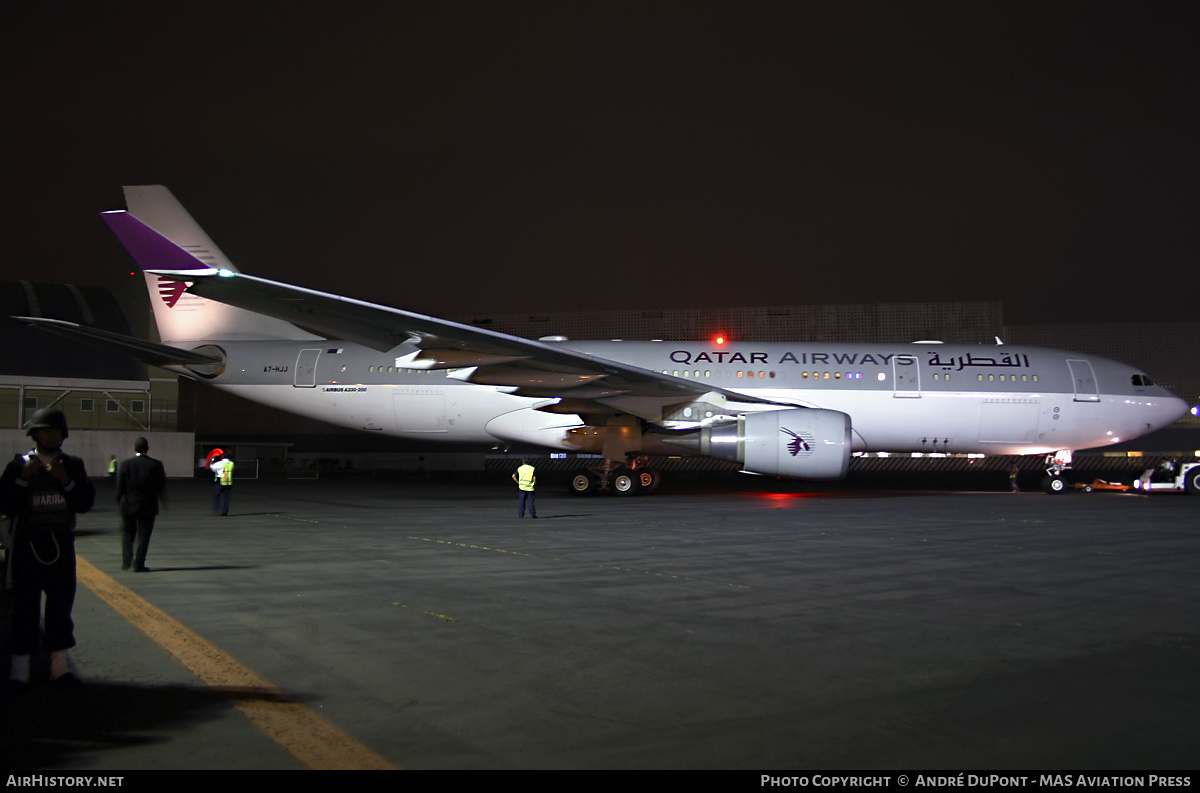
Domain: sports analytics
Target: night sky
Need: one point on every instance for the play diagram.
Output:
(497, 157)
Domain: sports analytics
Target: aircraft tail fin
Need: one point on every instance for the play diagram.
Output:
(158, 208)
(173, 251)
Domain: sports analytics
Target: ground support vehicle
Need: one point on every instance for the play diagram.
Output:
(1101, 484)
(1186, 480)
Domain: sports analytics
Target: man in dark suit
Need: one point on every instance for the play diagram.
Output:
(141, 481)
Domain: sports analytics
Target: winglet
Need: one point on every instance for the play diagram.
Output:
(152, 251)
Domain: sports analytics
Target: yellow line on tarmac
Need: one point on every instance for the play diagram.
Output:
(305, 735)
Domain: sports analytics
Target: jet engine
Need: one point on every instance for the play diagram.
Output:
(794, 443)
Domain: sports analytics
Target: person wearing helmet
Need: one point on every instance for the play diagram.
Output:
(222, 484)
(42, 492)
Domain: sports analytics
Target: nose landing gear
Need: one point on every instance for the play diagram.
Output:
(1056, 464)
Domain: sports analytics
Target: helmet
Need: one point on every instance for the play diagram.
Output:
(48, 419)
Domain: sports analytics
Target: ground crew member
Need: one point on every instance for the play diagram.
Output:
(42, 492)
(141, 481)
(112, 470)
(222, 484)
(525, 483)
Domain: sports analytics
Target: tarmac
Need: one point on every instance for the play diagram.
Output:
(731, 623)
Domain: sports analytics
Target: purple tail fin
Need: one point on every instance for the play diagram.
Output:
(152, 251)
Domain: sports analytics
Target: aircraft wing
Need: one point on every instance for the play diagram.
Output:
(526, 367)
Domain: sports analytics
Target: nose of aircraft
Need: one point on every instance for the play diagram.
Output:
(1168, 409)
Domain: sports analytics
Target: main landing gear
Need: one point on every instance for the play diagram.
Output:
(627, 478)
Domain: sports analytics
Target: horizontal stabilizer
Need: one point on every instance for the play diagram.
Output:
(146, 351)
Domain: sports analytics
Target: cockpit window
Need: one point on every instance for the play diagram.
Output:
(1141, 379)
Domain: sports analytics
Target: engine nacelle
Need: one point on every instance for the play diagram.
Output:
(795, 443)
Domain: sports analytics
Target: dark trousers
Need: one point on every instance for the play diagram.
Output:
(526, 500)
(221, 494)
(136, 529)
(50, 570)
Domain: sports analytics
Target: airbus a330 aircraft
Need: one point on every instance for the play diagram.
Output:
(794, 410)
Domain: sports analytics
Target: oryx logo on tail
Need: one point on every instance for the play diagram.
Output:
(798, 443)
(170, 290)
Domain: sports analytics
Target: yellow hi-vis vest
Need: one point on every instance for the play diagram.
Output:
(227, 473)
(525, 477)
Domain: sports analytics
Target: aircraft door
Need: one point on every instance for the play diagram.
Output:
(906, 376)
(1085, 381)
(306, 368)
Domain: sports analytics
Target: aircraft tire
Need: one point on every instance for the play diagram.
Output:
(1192, 486)
(583, 484)
(1087, 488)
(626, 482)
(648, 480)
(1054, 485)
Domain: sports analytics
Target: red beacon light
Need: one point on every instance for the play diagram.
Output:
(719, 339)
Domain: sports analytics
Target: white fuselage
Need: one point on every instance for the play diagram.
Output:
(901, 398)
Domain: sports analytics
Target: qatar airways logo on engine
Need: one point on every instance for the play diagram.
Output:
(799, 445)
